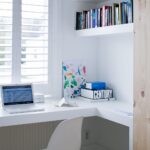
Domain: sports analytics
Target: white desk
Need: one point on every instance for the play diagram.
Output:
(115, 111)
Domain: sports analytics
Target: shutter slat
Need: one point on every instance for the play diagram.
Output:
(5, 60)
(34, 32)
(5, 41)
(35, 53)
(29, 60)
(34, 67)
(35, 25)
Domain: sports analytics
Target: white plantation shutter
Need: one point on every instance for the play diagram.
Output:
(24, 42)
(5, 41)
(34, 41)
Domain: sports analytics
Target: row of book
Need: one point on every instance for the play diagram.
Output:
(118, 13)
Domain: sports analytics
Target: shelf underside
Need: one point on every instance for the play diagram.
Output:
(108, 30)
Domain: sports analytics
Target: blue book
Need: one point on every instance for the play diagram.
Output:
(94, 18)
(124, 12)
(96, 14)
(96, 85)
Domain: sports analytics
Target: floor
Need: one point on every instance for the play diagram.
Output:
(93, 147)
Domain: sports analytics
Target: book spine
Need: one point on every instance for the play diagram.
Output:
(106, 16)
(96, 86)
(88, 19)
(94, 18)
(114, 14)
(80, 21)
(111, 23)
(120, 13)
(132, 9)
(130, 19)
(117, 15)
(103, 16)
(126, 13)
(91, 18)
(96, 13)
(98, 17)
(84, 20)
(97, 94)
(77, 22)
(108, 19)
(109, 16)
(123, 13)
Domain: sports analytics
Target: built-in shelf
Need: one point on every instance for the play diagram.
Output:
(108, 30)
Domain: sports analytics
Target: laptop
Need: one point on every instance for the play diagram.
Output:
(19, 99)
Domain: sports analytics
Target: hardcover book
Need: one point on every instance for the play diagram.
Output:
(78, 20)
(97, 94)
(98, 17)
(116, 14)
(96, 85)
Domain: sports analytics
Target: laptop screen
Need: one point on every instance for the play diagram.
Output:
(17, 94)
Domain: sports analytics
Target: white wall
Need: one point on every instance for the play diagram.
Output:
(115, 62)
(75, 47)
(111, 136)
(108, 58)
(68, 46)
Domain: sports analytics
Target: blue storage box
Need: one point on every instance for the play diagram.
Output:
(96, 85)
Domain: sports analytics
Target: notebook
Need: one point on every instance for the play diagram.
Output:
(19, 99)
